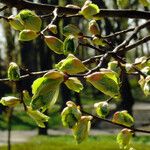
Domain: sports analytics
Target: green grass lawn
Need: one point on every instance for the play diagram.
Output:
(104, 142)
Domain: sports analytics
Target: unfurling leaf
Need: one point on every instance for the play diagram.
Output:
(53, 28)
(81, 129)
(69, 45)
(124, 137)
(98, 41)
(70, 115)
(54, 44)
(46, 89)
(114, 66)
(102, 109)
(129, 68)
(74, 84)
(145, 3)
(106, 81)
(13, 71)
(94, 28)
(145, 85)
(123, 117)
(10, 101)
(39, 117)
(71, 65)
(142, 62)
(30, 20)
(15, 23)
(89, 9)
(71, 29)
(123, 3)
(27, 35)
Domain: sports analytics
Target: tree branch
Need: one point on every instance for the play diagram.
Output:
(23, 4)
(116, 124)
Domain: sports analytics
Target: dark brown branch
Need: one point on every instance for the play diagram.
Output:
(23, 4)
(126, 41)
(120, 125)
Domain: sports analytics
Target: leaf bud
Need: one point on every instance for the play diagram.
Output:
(89, 9)
(70, 115)
(94, 28)
(10, 101)
(53, 28)
(13, 71)
(102, 108)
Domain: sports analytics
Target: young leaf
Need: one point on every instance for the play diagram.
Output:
(81, 129)
(27, 35)
(71, 65)
(94, 28)
(123, 117)
(89, 9)
(123, 3)
(15, 23)
(30, 20)
(69, 45)
(39, 117)
(114, 66)
(106, 81)
(53, 28)
(13, 71)
(46, 89)
(70, 115)
(54, 44)
(123, 138)
(102, 109)
(145, 3)
(74, 84)
(71, 29)
(98, 41)
(10, 101)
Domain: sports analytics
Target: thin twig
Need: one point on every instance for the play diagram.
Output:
(116, 124)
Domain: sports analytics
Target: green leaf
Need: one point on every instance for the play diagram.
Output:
(74, 84)
(123, 138)
(53, 28)
(13, 71)
(123, 3)
(27, 35)
(99, 41)
(123, 117)
(15, 23)
(30, 20)
(145, 3)
(69, 45)
(54, 44)
(114, 66)
(10, 101)
(102, 109)
(106, 81)
(46, 89)
(71, 65)
(89, 9)
(94, 28)
(39, 117)
(70, 115)
(81, 129)
(71, 29)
